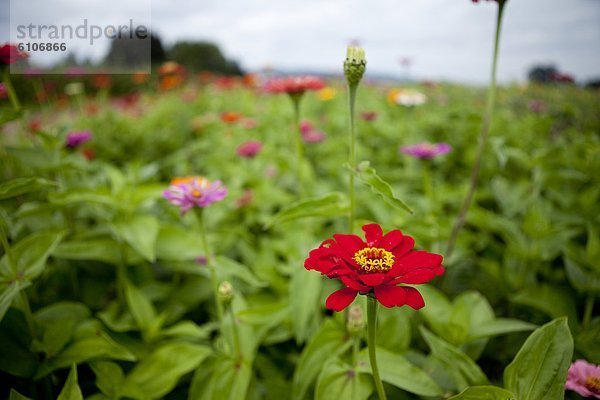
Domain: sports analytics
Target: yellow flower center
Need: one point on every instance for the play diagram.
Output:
(593, 383)
(374, 259)
(196, 193)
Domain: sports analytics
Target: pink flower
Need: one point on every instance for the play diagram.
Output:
(249, 149)
(313, 137)
(194, 191)
(426, 150)
(294, 85)
(305, 127)
(75, 139)
(310, 134)
(3, 92)
(584, 378)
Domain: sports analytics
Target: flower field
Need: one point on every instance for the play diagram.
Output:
(239, 238)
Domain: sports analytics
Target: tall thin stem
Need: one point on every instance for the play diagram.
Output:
(483, 136)
(237, 349)
(352, 156)
(210, 264)
(371, 333)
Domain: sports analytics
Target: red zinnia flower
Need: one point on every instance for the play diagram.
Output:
(380, 267)
(294, 85)
(9, 53)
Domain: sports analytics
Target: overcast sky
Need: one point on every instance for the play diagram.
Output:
(446, 39)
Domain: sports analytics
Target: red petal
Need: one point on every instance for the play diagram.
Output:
(414, 298)
(372, 279)
(417, 276)
(391, 240)
(346, 246)
(351, 282)
(404, 247)
(373, 233)
(390, 296)
(340, 299)
(417, 259)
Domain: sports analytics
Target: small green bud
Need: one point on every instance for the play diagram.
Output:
(355, 64)
(225, 292)
(356, 320)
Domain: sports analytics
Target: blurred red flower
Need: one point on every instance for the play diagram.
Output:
(380, 267)
(9, 53)
(294, 85)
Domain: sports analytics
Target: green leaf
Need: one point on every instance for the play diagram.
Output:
(71, 389)
(19, 186)
(158, 373)
(329, 341)
(9, 294)
(499, 326)
(108, 376)
(75, 197)
(484, 393)
(140, 232)
(16, 356)
(369, 177)
(328, 205)
(552, 300)
(539, 370)
(14, 395)
(339, 381)
(398, 371)
(31, 254)
(142, 310)
(175, 243)
(188, 329)
(94, 344)
(228, 268)
(463, 369)
(105, 250)
(582, 270)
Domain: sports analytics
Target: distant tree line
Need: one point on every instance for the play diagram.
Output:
(193, 55)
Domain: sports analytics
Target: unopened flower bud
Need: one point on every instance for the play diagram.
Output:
(355, 64)
(225, 292)
(356, 320)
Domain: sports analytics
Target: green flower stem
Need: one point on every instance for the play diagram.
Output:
(587, 312)
(237, 349)
(483, 136)
(27, 311)
(371, 330)
(296, 99)
(12, 94)
(210, 264)
(9, 254)
(352, 156)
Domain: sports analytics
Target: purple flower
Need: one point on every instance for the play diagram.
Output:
(426, 150)
(75, 139)
(194, 191)
(584, 378)
(249, 149)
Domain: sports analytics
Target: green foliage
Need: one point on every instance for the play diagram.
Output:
(100, 275)
(539, 369)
